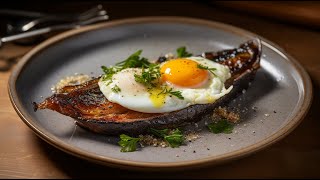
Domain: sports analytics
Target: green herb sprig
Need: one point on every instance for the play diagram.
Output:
(200, 66)
(108, 73)
(127, 143)
(174, 137)
(116, 89)
(182, 52)
(133, 61)
(222, 126)
(149, 76)
(170, 91)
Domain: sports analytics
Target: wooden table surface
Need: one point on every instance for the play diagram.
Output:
(24, 155)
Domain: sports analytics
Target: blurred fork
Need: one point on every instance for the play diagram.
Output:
(96, 11)
(45, 30)
(53, 19)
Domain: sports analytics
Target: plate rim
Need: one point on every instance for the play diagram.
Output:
(136, 165)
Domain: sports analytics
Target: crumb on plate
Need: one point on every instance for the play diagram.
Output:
(69, 81)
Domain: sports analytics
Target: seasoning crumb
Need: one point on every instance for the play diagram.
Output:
(230, 116)
(169, 56)
(150, 140)
(229, 138)
(184, 150)
(177, 155)
(267, 115)
(274, 111)
(208, 149)
(254, 108)
(70, 80)
(191, 136)
(194, 151)
(41, 96)
(253, 132)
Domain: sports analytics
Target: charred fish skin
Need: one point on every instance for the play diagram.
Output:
(91, 110)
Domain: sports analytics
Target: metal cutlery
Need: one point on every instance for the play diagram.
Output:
(48, 22)
(45, 30)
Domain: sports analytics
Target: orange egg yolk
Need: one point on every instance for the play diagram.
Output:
(183, 72)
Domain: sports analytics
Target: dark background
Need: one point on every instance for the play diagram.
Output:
(294, 26)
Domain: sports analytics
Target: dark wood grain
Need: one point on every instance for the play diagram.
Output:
(306, 13)
(24, 155)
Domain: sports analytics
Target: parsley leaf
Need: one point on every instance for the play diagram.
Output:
(148, 76)
(174, 93)
(116, 89)
(108, 72)
(200, 66)
(182, 52)
(128, 144)
(222, 126)
(174, 138)
(133, 61)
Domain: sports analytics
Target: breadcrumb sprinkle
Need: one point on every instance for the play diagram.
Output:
(229, 115)
(151, 140)
(69, 81)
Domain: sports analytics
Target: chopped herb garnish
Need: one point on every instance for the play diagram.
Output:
(128, 144)
(174, 137)
(176, 93)
(116, 89)
(200, 66)
(148, 75)
(222, 126)
(170, 91)
(133, 61)
(182, 52)
(108, 73)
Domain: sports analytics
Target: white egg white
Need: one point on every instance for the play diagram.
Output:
(134, 95)
(137, 97)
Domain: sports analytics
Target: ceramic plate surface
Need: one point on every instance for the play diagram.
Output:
(281, 91)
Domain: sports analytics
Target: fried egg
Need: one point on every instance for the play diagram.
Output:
(196, 85)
